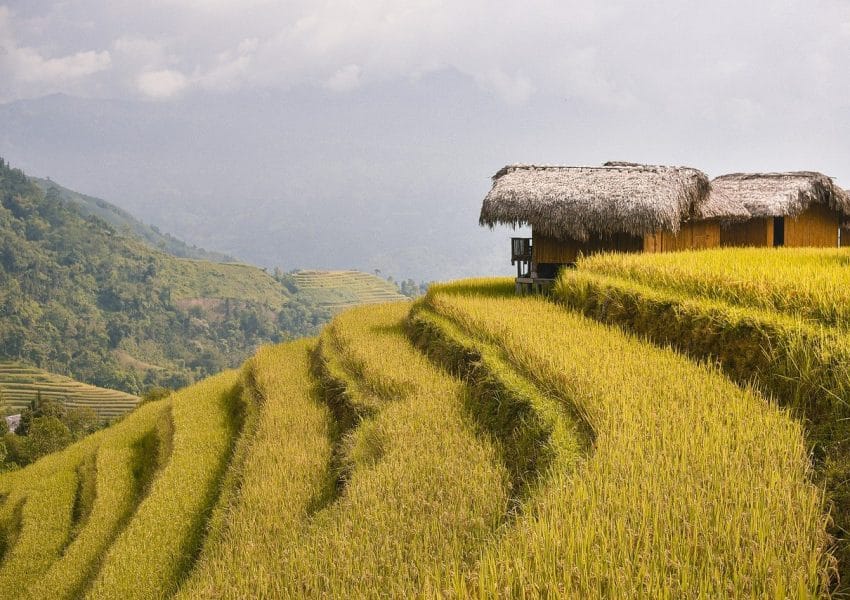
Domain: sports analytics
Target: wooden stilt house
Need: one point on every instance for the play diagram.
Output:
(794, 209)
(623, 207)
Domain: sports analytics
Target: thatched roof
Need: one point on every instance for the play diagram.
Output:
(845, 218)
(722, 207)
(622, 163)
(781, 194)
(580, 202)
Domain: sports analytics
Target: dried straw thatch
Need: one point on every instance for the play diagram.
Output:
(623, 163)
(722, 207)
(581, 202)
(781, 194)
(845, 218)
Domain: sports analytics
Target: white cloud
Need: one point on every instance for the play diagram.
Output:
(161, 84)
(30, 66)
(27, 70)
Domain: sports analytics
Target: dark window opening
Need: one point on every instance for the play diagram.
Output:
(548, 270)
(520, 249)
(778, 231)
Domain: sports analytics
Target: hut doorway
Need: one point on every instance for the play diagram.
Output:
(778, 231)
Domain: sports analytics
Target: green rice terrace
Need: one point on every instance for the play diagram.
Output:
(660, 426)
(20, 385)
(338, 290)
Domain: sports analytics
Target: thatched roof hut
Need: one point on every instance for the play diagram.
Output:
(582, 202)
(781, 194)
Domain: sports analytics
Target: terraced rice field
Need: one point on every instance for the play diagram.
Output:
(675, 449)
(123, 512)
(442, 448)
(810, 283)
(338, 290)
(21, 384)
(773, 318)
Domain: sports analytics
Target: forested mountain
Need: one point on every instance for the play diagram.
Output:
(79, 298)
(126, 223)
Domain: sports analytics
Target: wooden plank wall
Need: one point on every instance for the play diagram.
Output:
(817, 227)
(623, 242)
(692, 236)
(755, 232)
(552, 250)
(556, 251)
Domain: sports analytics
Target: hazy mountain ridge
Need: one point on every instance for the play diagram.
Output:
(250, 176)
(124, 222)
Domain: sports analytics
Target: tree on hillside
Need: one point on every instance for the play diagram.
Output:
(40, 408)
(46, 435)
(81, 421)
(156, 393)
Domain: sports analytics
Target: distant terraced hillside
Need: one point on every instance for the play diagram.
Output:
(20, 384)
(190, 279)
(338, 290)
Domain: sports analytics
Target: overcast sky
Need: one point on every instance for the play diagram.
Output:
(434, 96)
(743, 60)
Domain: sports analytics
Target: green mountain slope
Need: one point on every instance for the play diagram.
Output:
(125, 223)
(79, 299)
(193, 279)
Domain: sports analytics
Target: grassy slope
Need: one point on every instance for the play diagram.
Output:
(157, 547)
(126, 461)
(565, 459)
(807, 282)
(406, 480)
(692, 474)
(46, 500)
(189, 279)
(288, 452)
(21, 384)
(777, 318)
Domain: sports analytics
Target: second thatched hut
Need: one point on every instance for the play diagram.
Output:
(796, 209)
